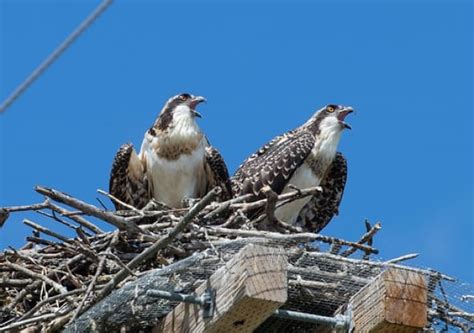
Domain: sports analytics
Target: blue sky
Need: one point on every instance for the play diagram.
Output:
(265, 67)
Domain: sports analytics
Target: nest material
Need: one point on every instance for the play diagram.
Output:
(58, 282)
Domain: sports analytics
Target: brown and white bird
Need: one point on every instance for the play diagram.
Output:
(175, 163)
(304, 157)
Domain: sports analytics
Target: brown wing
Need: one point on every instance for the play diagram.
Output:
(128, 182)
(319, 211)
(236, 184)
(274, 163)
(217, 173)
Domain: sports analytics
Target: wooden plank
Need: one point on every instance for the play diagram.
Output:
(249, 288)
(396, 301)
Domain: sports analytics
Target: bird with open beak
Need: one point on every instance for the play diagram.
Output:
(304, 157)
(176, 161)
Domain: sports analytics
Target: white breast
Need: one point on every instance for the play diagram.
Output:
(302, 178)
(324, 151)
(174, 180)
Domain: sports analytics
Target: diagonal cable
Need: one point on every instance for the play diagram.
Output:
(55, 54)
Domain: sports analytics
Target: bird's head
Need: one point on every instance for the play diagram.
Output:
(179, 109)
(331, 117)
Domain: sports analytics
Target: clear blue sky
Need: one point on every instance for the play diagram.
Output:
(264, 67)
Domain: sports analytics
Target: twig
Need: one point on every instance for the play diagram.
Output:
(467, 297)
(82, 236)
(23, 208)
(119, 222)
(104, 207)
(402, 258)
(222, 206)
(285, 196)
(161, 243)
(238, 217)
(120, 202)
(435, 314)
(462, 314)
(60, 289)
(78, 219)
(299, 237)
(13, 252)
(312, 284)
(38, 240)
(46, 231)
(57, 219)
(117, 260)
(37, 319)
(329, 276)
(35, 284)
(272, 199)
(364, 239)
(335, 247)
(49, 300)
(100, 266)
(380, 264)
(5, 282)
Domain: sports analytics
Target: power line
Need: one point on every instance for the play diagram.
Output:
(55, 54)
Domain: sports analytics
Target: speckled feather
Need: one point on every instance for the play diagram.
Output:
(217, 172)
(322, 207)
(273, 164)
(123, 185)
(305, 156)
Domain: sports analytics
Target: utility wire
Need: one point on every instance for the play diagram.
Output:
(55, 54)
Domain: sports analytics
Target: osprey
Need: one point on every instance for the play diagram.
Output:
(176, 161)
(304, 157)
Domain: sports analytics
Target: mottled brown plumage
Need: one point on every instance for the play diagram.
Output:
(319, 211)
(175, 162)
(273, 164)
(302, 157)
(128, 182)
(217, 172)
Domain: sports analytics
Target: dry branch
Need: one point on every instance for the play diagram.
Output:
(366, 238)
(153, 248)
(36, 276)
(163, 242)
(119, 222)
(303, 237)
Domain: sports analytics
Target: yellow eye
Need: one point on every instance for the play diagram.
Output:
(330, 109)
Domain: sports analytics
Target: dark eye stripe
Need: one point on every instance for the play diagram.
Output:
(184, 97)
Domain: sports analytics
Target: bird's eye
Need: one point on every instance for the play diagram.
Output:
(330, 108)
(184, 97)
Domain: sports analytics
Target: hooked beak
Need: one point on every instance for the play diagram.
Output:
(342, 114)
(194, 102)
(195, 113)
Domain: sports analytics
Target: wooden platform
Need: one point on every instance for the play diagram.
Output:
(252, 285)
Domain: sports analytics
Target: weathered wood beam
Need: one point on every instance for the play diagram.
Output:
(249, 288)
(395, 301)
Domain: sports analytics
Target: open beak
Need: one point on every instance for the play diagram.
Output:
(342, 114)
(194, 102)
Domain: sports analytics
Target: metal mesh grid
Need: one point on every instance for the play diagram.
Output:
(320, 283)
(451, 306)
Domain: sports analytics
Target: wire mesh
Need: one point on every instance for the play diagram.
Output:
(321, 283)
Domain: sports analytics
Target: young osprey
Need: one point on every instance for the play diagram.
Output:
(176, 161)
(303, 157)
